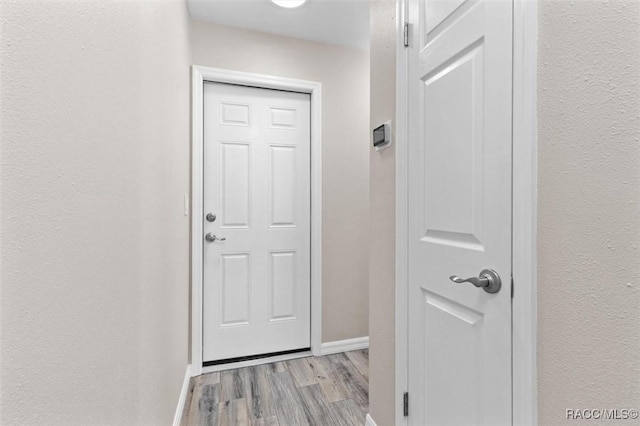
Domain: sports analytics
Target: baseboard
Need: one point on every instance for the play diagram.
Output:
(369, 421)
(345, 345)
(183, 397)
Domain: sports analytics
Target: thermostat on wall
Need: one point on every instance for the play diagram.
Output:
(382, 136)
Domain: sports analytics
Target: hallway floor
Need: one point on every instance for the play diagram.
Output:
(328, 390)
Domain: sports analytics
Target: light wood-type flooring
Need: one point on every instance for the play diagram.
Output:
(326, 391)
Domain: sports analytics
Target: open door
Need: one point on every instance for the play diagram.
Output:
(460, 212)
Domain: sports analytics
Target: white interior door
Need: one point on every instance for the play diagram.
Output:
(256, 277)
(459, 220)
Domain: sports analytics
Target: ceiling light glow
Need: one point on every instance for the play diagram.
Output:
(289, 4)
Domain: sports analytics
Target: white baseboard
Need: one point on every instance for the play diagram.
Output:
(369, 421)
(345, 345)
(183, 397)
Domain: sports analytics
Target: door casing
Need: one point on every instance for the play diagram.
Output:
(524, 175)
(199, 75)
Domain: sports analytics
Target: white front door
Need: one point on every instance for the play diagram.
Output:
(459, 220)
(257, 198)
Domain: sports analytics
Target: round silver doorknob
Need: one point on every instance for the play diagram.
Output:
(488, 280)
(211, 238)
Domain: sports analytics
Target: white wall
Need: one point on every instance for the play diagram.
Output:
(588, 207)
(382, 205)
(94, 165)
(344, 73)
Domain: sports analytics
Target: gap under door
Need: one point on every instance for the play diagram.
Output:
(257, 222)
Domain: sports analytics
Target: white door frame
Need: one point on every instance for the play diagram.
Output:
(200, 75)
(524, 378)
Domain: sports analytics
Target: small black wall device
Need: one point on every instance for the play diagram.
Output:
(382, 135)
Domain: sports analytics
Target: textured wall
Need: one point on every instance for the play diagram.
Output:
(344, 74)
(382, 201)
(588, 207)
(95, 249)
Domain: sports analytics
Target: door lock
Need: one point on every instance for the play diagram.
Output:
(211, 217)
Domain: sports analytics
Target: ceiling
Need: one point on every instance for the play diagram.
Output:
(341, 22)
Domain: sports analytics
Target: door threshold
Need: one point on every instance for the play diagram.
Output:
(229, 364)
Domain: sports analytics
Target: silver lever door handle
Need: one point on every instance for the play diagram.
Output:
(211, 238)
(488, 280)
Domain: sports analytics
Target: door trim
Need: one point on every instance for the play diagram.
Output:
(402, 212)
(199, 75)
(524, 196)
(524, 208)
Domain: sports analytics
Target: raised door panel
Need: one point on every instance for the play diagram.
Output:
(283, 185)
(235, 114)
(283, 118)
(454, 341)
(453, 151)
(283, 284)
(235, 183)
(235, 289)
(437, 11)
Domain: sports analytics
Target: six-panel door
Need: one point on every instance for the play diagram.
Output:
(256, 290)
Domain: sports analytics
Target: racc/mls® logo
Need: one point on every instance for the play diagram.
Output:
(601, 414)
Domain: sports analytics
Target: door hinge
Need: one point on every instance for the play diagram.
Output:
(406, 34)
(405, 404)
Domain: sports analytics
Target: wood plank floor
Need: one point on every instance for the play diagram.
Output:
(329, 390)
